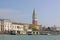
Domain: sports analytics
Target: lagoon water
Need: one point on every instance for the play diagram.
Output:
(29, 37)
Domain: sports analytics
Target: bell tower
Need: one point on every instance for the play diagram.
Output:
(34, 17)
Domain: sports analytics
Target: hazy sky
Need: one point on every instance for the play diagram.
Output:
(48, 11)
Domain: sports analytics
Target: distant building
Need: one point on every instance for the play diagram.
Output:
(19, 28)
(53, 28)
(58, 28)
(34, 21)
(7, 25)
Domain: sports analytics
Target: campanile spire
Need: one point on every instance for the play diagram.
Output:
(34, 17)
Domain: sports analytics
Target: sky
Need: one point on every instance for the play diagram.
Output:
(48, 11)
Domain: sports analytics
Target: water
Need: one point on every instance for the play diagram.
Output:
(29, 37)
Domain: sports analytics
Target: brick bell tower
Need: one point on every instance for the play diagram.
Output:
(34, 18)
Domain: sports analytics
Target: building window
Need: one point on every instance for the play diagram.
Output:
(18, 27)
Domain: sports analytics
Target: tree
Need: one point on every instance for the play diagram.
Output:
(33, 27)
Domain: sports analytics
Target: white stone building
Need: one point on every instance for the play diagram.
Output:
(5, 25)
(19, 28)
